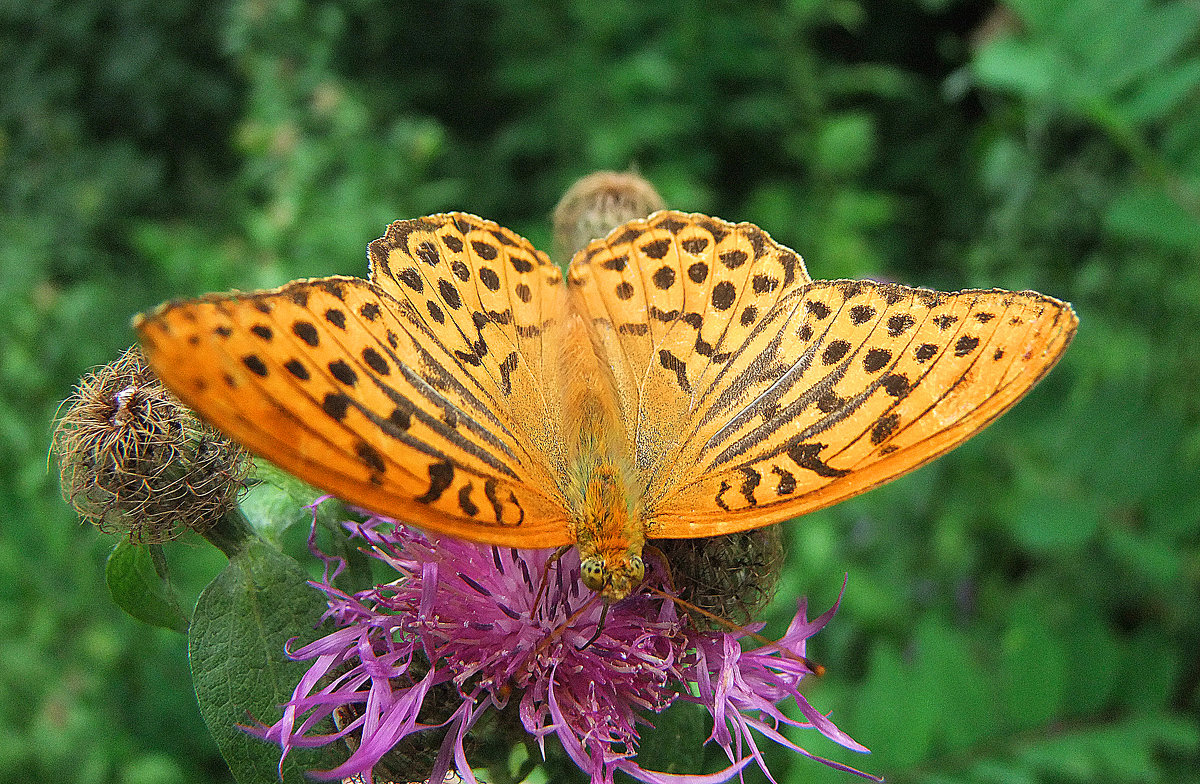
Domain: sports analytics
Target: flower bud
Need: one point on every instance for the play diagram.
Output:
(134, 460)
(597, 204)
(733, 575)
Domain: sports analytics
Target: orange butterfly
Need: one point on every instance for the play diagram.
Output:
(690, 380)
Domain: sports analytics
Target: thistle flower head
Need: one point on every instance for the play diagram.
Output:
(516, 632)
(134, 460)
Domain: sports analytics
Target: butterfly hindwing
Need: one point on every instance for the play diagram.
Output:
(359, 390)
(670, 297)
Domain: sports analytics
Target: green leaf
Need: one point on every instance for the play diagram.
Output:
(1010, 64)
(279, 502)
(676, 742)
(239, 669)
(1033, 666)
(1150, 215)
(271, 512)
(899, 725)
(139, 588)
(956, 683)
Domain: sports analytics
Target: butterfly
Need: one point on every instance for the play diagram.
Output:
(687, 378)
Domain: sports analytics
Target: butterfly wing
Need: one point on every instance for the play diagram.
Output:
(421, 394)
(784, 395)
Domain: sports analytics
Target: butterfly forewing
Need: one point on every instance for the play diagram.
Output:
(849, 385)
(493, 306)
(363, 392)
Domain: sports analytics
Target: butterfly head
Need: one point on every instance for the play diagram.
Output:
(608, 534)
(613, 578)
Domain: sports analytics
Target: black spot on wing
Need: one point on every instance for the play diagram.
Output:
(306, 332)
(860, 314)
(884, 427)
(468, 507)
(343, 372)
(657, 249)
(486, 251)
(255, 365)
(835, 351)
(898, 324)
(335, 405)
(965, 345)
(370, 456)
(375, 361)
(808, 456)
(297, 369)
(876, 359)
(440, 476)
(336, 317)
(787, 482)
(750, 482)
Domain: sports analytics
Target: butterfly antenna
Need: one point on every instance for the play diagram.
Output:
(813, 667)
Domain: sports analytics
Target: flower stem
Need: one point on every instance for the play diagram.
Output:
(230, 533)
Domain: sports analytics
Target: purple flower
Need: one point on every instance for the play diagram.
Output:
(494, 626)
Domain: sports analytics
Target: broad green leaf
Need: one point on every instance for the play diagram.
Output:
(140, 590)
(1024, 68)
(279, 502)
(898, 725)
(271, 511)
(957, 683)
(1033, 666)
(239, 669)
(1162, 94)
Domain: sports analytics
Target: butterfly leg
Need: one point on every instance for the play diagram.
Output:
(545, 582)
(599, 628)
(662, 559)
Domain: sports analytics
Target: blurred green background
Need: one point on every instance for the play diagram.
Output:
(1026, 609)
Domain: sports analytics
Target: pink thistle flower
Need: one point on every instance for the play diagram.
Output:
(461, 619)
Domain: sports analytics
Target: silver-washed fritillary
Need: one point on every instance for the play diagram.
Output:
(689, 380)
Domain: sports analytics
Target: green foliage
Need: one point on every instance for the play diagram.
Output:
(140, 589)
(1025, 609)
(243, 620)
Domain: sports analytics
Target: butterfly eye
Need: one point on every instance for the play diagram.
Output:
(593, 573)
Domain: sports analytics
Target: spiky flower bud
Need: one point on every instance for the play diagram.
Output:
(597, 204)
(133, 460)
(733, 576)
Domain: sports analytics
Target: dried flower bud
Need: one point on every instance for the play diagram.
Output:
(733, 576)
(597, 204)
(134, 460)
